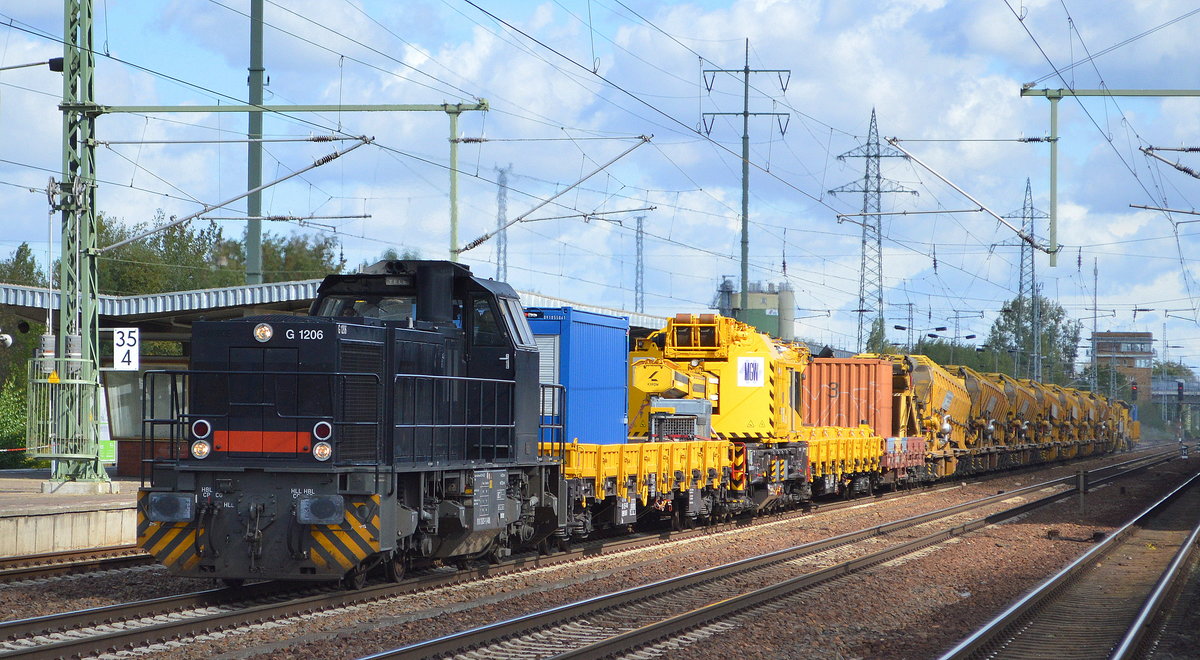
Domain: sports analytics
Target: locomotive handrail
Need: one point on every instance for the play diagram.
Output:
(438, 423)
(557, 411)
(507, 381)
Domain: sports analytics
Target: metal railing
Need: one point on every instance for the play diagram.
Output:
(167, 397)
(62, 404)
(552, 418)
(440, 419)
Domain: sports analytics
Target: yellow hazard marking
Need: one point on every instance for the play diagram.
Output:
(53, 377)
(189, 540)
(161, 547)
(333, 550)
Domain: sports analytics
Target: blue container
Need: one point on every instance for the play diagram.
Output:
(587, 353)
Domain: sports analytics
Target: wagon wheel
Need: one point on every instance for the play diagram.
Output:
(355, 578)
(395, 569)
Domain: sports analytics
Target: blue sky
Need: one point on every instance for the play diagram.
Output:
(571, 82)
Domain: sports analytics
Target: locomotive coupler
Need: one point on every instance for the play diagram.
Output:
(253, 536)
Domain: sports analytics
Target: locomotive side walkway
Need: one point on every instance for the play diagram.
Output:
(33, 522)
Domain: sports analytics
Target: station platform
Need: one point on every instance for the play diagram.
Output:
(34, 522)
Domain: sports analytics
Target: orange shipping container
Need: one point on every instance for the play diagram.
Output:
(847, 392)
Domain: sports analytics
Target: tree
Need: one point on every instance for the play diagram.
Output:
(12, 424)
(1174, 371)
(877, 339)
(20, 268)
(1109, 381)
(946, 352)
(184, 258)
(1012, 331)
(176, 259)
(286, 258)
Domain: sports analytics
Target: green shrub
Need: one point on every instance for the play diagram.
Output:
(12, 425)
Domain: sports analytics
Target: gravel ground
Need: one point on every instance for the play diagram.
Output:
(910, 609)
(64, 593)
(923, 607)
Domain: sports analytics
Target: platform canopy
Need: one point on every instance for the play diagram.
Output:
(169, 316)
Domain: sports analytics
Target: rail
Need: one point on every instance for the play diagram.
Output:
(722, 605)
(89, 632)
(1000, 631)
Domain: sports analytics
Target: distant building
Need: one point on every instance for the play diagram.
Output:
(769, 307)
(1130, 353)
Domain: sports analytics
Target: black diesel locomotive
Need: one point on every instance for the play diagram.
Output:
(398, 422)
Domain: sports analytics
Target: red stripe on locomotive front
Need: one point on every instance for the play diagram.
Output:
(266, 442)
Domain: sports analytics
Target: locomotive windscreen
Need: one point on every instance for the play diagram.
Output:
(384, 308)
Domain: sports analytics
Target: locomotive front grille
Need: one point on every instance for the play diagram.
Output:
(360, 402)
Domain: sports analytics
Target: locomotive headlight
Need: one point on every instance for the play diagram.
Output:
(201, 449)
(322, 430)
(263, 332)
(201, 429)
(171, 507)
(322, 451)
(320, 510)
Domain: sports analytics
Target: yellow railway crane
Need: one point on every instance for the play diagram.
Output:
(748, 387)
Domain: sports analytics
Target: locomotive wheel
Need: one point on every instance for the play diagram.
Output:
(355, 578)
(395, 568)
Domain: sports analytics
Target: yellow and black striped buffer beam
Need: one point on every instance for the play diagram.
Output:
(175, 545)
(344, 545)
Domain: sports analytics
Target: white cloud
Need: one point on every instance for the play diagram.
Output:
(931, 70)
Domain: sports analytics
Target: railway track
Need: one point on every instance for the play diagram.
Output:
(159, 620)
(706, 602)
(74, 562)
(1105, 604)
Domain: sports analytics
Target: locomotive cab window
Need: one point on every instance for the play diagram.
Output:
(518, 326)
(485, 328)
(384, 308)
